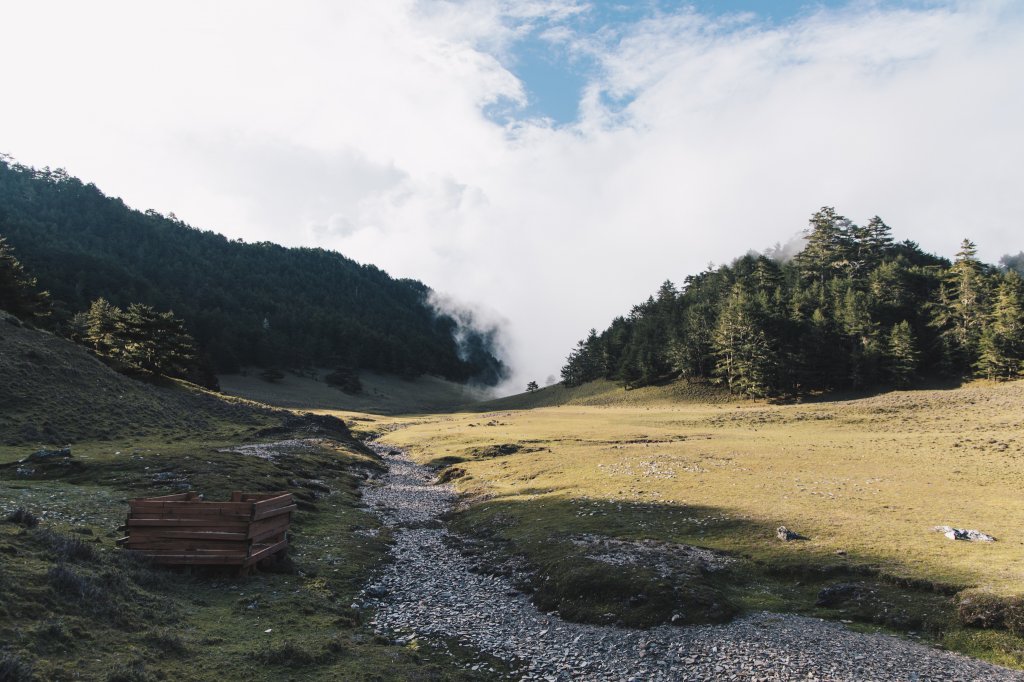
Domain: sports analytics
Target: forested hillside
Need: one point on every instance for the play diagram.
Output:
(245, 304)
(853, 309)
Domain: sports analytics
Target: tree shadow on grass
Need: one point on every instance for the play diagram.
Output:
(634, 564)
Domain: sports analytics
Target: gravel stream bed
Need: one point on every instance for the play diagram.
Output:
(429, 591)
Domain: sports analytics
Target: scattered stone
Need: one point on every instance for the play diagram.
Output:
(786, 535)
(834, 595)
(964, 534)
(49, 455)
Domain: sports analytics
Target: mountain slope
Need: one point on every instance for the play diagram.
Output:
(246, 304)
(56, 392)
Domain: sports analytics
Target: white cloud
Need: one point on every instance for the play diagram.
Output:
(360, 127)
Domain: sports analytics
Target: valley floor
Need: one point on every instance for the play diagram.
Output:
(432, 590)
(640, 515)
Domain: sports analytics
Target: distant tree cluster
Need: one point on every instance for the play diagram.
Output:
(245, 304)
(138, 338)
(851, 310)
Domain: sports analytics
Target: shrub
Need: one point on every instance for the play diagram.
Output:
(23, 517)
(985, 610)
(272, 375)
(14, 669)
(68, 548)
(130, 672)
(1013, 617)
(346, 379)
(167, 642)
(287, 653)
(68, 584)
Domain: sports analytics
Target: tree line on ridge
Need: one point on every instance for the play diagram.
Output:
(852, 310)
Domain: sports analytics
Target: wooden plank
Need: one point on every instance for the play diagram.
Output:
(236, 495)
(165, 498)
(258, 497)
(264, 552)
(186, 514)
(273, 502)
(270, 522)
(159, 550)
(270, 533)
(224, 525)
(177, 547)
(178, 559)
(165, 534)
(273, 512)
(196, 505)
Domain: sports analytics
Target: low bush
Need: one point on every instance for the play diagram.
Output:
(67, 548)
(168, 643)
(15, 669)
(23, 517)
(287, 653)
(67, 584)
(986, 610)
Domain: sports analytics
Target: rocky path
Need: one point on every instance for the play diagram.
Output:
(430, 591)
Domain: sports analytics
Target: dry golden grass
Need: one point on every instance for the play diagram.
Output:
(867, 477)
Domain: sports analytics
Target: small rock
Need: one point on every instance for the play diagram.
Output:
(964, 534)
(786, 535)
(44, 455)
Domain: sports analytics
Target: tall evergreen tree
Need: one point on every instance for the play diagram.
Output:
(960, 312)
(1001, 346)
(871, 243)
(829, 248)
(101, 328)
(154, 342)
(19, 294)
(902, 357)
(747, 361)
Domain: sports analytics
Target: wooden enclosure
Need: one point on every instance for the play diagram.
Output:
(185, 529)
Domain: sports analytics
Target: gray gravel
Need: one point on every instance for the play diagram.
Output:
(429, 591)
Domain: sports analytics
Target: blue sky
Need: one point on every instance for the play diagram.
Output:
(554, 78)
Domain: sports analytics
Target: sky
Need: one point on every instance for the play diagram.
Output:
(544, 163)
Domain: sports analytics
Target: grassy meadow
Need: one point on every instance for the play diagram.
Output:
(865, 480)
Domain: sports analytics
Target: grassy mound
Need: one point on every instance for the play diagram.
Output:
(56, 392)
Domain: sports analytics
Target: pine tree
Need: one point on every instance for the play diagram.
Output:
(902, 357)
(746, 359)
(829, 248)
(960, 312)
(861, 332)
(18, 290)
(154, 342)
(1001, 346)
(871, 243)
(586, 361)
(101, 328)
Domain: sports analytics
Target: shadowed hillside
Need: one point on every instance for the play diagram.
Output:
(380, 394)
(245, 304)
(56, 392)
